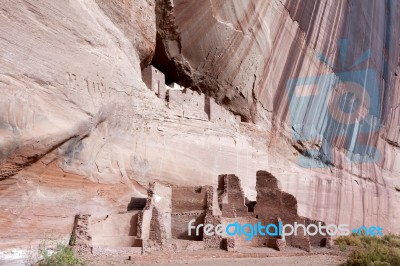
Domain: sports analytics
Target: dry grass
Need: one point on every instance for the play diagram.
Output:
(371, 250)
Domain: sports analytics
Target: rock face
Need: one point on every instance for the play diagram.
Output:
(80, 132)
(252, 56)
(69, 69)
(285, 66)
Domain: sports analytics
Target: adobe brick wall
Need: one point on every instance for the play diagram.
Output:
(175, 103)
(187, 103)
(214, 110)
(155, 81)
(220, 115)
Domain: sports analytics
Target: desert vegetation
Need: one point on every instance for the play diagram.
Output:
(371, 250)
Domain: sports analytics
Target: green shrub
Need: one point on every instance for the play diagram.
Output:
(371, 250)
(62, 256)
(342, 246)
(350, 240)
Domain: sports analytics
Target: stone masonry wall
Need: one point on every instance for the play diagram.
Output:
(154, 222)
(180, 223)
(319, 240)
(214, 241)
(186, 199)
(231, 197)
(272, 203)
(81, 239)
(163, 224)
(240, 240)
(188, 203)
(220, 115)
(187, 103)
(155, 81)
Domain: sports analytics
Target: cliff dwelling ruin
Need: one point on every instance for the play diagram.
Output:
(130, 128)
(163, 218)
(187, 103)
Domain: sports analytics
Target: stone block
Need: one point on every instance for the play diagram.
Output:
(228, 244)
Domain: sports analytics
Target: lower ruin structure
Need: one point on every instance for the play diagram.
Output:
(162, 224)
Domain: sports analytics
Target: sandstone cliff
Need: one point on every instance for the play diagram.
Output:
(81, 133)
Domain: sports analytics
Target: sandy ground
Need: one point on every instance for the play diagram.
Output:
(218, 257)
(244, 256)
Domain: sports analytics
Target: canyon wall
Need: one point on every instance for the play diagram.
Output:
(289, 67)
(81, 133)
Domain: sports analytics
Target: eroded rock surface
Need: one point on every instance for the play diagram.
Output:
(245, 53)
(80, 132)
